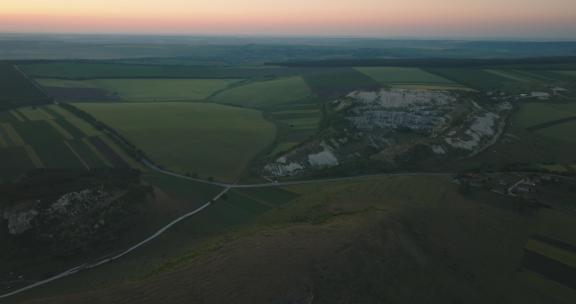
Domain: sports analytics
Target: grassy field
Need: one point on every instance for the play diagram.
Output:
(551, 252)
(569, 73)
(333, 82)
(510, 74)
(71, 122)
(14, 161)
(475, 78)
(432, 87)
(78, 71)
(209, 140)
(540, 76)
(534, 113)
(564, 131)
(398, 75)
(51, 137)
(299, 119)
(531, 76)
(147, 89)
(17, 90)
(368, 241)
(296, 122)
(263, 94)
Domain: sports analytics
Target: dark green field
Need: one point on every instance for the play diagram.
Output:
(14, 162)
(207, 139)
(476, 79)
(144, 90)
(265, 94)
(79, 71)
(17, 90)
(48, 144)
(53, 140)
(332, 82)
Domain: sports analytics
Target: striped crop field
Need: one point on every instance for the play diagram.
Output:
(51, 137)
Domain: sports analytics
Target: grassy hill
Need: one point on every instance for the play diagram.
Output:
(368, 241)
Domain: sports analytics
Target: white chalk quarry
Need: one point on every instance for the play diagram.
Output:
(483, 127)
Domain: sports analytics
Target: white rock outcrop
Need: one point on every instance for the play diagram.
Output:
(20, 222)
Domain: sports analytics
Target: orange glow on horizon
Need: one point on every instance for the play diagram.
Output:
(358, 17)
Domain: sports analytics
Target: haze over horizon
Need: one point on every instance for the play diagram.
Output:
(522, 19)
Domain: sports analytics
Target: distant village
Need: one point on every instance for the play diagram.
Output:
(532, 189)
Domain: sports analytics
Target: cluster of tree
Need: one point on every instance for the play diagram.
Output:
(41, 184)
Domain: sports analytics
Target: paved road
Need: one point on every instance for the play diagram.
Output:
(334, 179)
(290, 183)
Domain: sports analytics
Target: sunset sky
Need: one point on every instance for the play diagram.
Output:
(554, 19)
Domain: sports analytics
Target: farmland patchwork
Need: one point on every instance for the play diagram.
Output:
(37, 138)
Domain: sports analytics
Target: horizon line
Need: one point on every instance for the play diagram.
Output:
(302, 36)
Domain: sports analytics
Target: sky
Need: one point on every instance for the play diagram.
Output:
(547, 19)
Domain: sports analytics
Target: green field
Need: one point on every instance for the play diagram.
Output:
(209, 140)
(147, 89)
(69, 120)
(425, 86)
(13, 162)
(535, 113)
(398, 75)
(544, 77)
(510, 74)
(569, 73)
(564, 131)
(475, 78)
(296, 122)
(332, 82)
(16, 90)
(78, 71)
(51, 137)
(263, 94)
(554, 242)
(299, 119)
(534, 76)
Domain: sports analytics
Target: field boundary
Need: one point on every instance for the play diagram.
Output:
(551, 123)
(13, 134)
(33, 82)
(84, 163)
(34, 157)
